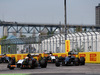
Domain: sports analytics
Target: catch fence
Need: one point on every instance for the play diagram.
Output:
(79, 42)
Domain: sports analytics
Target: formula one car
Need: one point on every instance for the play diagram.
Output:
(4, 58)
(70, 60)
(50, 57)
(27, 63)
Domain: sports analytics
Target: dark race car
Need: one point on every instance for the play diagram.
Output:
(70, 60)
(4, 58)
(27, 63)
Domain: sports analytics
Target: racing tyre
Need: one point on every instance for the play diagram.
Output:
(6, 60)
(56, 57)
(21, 67)
(30, 64)
(11, 68)
(0, 60)
(43, 63)
(10, 63)
(53, 60)
(18, 65)
(3, 60)
(63, 63)
(57, 63)
(82, 61)
(36, 64)
(76, 62)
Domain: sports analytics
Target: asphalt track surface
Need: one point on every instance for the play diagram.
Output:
(88, 69)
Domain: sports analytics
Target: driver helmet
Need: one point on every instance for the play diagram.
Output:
(69, 53)
(29, 55)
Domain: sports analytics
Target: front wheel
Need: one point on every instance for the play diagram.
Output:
(9, 66)
(57, 63)
(43, 63)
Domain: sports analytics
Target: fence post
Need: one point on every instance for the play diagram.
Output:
(87, 41)
(84, 41)
(91, 41)
(96, 40)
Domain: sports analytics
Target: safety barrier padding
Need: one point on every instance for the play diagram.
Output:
(24, 56)
(63, 55)
(90, 57)
(21, 56)
(45, 55)
(0, 49)
(17, 56)
(60, 54)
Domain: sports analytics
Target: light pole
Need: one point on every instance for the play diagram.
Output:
(65, 19)
(65, 11)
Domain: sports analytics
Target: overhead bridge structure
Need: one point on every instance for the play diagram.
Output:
(49, 28)
(82, 37)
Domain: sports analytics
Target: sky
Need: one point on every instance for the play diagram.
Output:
(80, 12)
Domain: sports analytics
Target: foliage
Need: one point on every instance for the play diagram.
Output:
(49, 33)
(22, 35)
(78, 49)
(78, 29)
(4, 37)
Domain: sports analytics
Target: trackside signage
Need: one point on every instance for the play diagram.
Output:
(82, 55)
(93, 57)
(67, 46)
(0, 49)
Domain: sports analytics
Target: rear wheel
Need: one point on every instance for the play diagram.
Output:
(76, 62)
(11, 68)
(22, 66)
(57, 63)
(0, 60)
(11, 62)
(30, 65)
(82, 61)
(9, 65)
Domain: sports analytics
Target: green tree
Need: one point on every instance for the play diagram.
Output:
(4, 37)
(50, 33)
(78, 29)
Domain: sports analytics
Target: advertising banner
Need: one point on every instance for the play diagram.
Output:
(67, 46)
